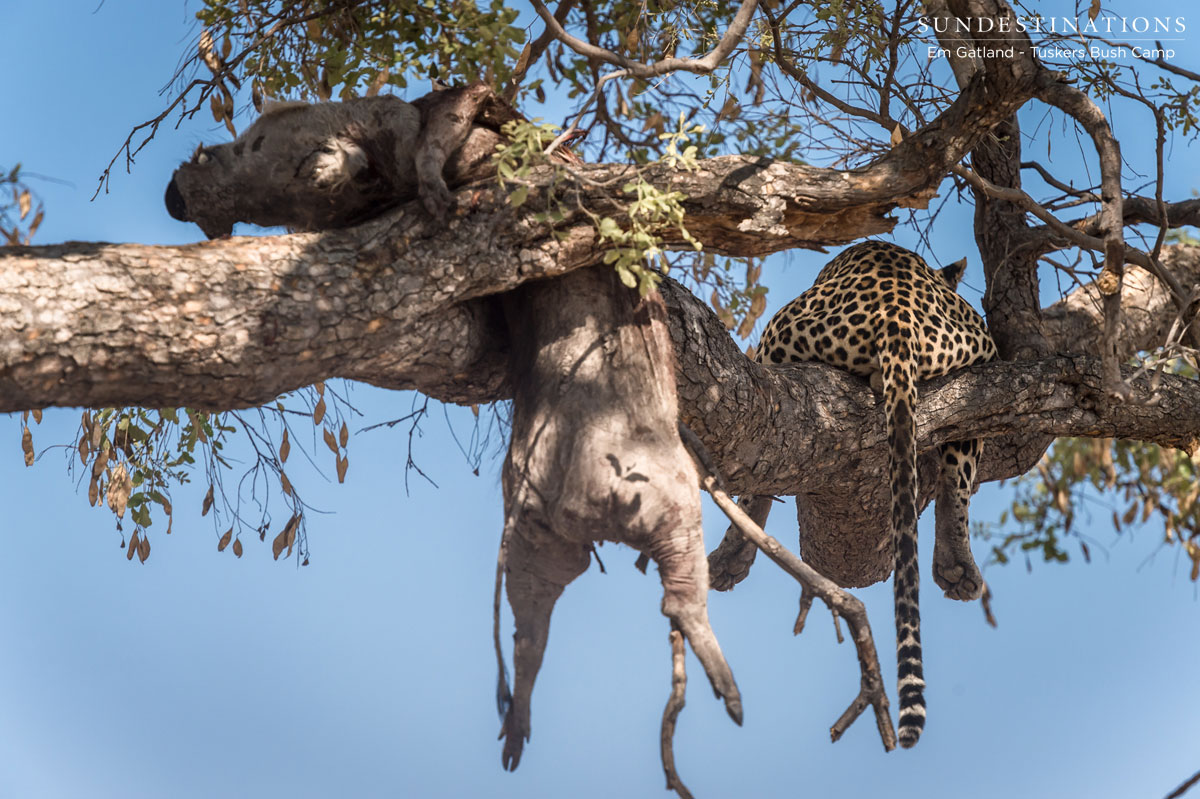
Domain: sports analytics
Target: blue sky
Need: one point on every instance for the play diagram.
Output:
(370, 672)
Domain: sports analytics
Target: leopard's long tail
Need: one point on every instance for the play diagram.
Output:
(899, 396)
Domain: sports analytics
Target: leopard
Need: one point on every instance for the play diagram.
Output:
(879, 311)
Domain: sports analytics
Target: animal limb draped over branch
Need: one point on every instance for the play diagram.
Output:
(394, 302)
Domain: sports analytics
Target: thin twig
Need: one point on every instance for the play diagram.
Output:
(1185, 787)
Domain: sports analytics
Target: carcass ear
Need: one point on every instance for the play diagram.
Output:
(338, 161)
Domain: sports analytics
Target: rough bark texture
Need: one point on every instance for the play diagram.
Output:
(237, 322)
(465, 311)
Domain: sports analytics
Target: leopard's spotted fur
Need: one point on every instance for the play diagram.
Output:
(879, 311)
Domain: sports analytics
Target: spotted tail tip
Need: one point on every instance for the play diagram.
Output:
(912, 722)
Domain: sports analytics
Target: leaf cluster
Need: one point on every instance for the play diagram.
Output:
(322, 48)
(16, 224)
(1137, 482)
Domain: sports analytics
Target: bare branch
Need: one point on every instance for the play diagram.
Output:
(871, 691)
(533, 51)
(1078, 233)
(1079, 106)
(788, 68)
(1086, 194)
(1145, 210)
(1169, 67)
(1185, 786)
(703, 65)
(1022, 199)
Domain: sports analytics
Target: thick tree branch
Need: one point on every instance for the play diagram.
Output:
(1080, 107)
(396, 303)
(1144, 211)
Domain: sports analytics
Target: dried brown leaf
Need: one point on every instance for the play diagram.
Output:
(100, 462)
(224, 542)
(143, 549)
(133, 545)
(284, 447)
(897, 135)
(286, 537)
(237, 548)
(285, 483)
(319, 412)
(731, 109)
(119, 487)
(746, 327)
(278, 544)
(344, 433)
(37, 415)
(83, 449)
(27, 445)
(25, 203)
(1093, 10)
(207, 53)
(208, 501)
(342, 465)
(330, 441)
(94, 491)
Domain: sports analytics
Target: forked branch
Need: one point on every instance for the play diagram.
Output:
(840, 603)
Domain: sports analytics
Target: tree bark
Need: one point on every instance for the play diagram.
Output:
(234, 323)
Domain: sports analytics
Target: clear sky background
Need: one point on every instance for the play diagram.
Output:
(370, 672)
